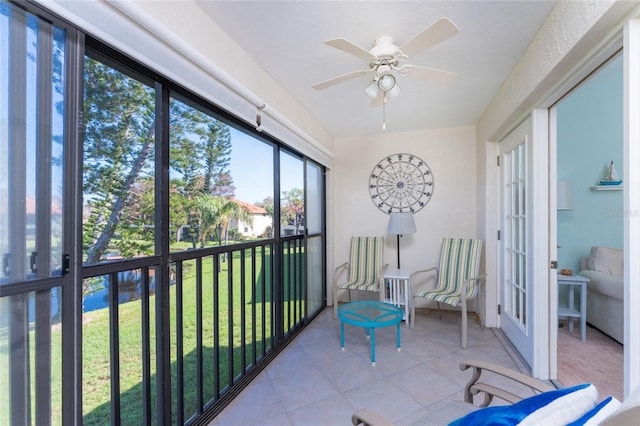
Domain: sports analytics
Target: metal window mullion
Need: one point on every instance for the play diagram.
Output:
(114, 348)
(43, 220)
(43, 148)
(291, 284)
(295, 282)
(146, 349)
(72, 235)
(277, 270)
(254, 343)
(300, 286)
(19, 395)
(303, 282)
(263, 286)
(163, 279)
(199, 357)
(179, 346)
(230, 320)
(275, 305)
(43, 357)
(243, 321)
(216, 325)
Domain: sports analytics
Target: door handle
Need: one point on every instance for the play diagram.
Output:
(554, 264)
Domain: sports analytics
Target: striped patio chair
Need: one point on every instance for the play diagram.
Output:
(458, 278)
(365, 268)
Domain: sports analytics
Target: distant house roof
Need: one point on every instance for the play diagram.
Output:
(251, 208)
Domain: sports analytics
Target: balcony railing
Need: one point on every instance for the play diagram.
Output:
(200, 328)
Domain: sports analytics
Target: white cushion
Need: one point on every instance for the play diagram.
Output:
(556, 407)
(564, 409)
(598, 414)
(609, 260)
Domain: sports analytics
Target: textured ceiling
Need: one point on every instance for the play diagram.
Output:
(287, 39)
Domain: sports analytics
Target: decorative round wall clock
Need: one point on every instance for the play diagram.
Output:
(401, 183)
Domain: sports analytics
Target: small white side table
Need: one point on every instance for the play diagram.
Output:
(570, 312)
(397, 290)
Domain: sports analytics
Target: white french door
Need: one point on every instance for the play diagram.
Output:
(524, 254)
(515, 315)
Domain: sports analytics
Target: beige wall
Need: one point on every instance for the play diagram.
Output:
(451, 155)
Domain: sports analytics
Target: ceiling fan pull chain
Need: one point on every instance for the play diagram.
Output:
(384, 110)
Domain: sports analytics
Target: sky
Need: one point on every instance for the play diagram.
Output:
(252, 168)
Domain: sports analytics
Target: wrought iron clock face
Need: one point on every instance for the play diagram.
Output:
(401, 183)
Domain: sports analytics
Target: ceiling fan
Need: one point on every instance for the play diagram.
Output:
(386, 61)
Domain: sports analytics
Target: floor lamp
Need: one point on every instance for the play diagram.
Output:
(401, 224)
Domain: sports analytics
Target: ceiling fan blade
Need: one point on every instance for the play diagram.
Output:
(339, 79)
(347, 46)
(441, 30)
(430, 75)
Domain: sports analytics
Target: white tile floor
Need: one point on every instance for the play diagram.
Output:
(312, 382)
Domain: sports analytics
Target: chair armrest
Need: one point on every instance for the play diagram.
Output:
(479, 277)
(381, 271)
(380, 279)
(463, 291)
(474, 386)
(411, 278)
(423, 270)
(369, 418)
(337, 270)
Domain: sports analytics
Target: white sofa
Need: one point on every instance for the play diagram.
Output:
(605, 308)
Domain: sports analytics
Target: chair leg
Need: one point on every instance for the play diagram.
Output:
(439, 312)
(477, 313)
(413, 313)
(463, 309)
(335, 302)
(463, 339)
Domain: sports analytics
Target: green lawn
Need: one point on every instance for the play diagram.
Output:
(96, 370)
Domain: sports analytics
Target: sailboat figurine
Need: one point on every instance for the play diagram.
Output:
(611, 177)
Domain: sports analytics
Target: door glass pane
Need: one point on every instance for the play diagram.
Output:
(118, 165)
(292, 218)
(221, 181)
(31, 136)
(32, 88)
(314, 251)
(515, 221)
(314, 191)
(315, 283)
(31, 358)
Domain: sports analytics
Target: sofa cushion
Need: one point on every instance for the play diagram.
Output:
(609, 260)
(603, 283)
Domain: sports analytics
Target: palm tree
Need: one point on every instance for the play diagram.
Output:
(209, 212)
(215, 214)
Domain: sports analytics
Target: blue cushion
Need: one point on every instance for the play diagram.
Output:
(557, 407)
(599, 413)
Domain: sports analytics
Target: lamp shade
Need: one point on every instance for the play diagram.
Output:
(564, 196)
(401, 224)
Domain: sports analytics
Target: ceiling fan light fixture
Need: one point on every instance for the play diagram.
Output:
(386, 82)
(372, 89)
(394, 91)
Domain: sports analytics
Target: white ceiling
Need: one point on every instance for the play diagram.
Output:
(287, 39)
